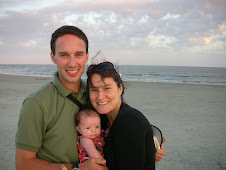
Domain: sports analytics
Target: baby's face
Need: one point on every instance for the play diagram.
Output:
(89, 127)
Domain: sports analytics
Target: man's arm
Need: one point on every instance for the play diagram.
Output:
(26, 160)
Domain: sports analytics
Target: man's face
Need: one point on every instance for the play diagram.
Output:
(70, 58)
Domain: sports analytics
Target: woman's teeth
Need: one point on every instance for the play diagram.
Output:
(103, 103)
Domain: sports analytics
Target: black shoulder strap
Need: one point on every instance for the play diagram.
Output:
(72, 98)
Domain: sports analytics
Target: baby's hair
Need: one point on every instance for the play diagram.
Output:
(85, 113)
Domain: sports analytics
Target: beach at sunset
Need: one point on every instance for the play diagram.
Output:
(170, 54)
(191, 116)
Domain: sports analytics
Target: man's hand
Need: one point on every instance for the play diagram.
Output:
(93, 164)
(160, 152)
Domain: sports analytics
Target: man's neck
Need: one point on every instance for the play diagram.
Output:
(75, 87)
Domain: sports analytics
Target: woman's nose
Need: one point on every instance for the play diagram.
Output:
(100, 95)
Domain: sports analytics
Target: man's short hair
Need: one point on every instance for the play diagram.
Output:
(67, 29)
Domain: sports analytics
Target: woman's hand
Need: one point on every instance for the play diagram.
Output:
(160, 152)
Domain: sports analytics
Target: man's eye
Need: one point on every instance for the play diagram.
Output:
(80, 54)
(63, 55)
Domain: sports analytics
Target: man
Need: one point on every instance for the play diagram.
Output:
(46, 135)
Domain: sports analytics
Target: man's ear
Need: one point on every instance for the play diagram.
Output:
(53, 57)
(87, 56)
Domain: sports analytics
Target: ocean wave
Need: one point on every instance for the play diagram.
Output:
(192, 75)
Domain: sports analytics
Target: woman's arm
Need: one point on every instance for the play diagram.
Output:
(133, 144)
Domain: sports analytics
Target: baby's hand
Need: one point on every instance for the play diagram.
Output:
(106, 132)
(63, 167)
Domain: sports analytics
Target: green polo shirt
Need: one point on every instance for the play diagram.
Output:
(46, 123)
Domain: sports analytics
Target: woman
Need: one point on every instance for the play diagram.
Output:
(129, 144)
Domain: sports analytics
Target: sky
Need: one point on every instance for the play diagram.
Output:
(144, 32)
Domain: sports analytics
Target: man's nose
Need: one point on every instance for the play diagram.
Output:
(72, 61)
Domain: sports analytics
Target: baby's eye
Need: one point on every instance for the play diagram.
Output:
(97, 127)
(88, 128)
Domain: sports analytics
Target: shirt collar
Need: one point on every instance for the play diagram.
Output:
(64, 91)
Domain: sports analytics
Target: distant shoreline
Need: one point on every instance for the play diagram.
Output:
(133, 65)
(38, 77)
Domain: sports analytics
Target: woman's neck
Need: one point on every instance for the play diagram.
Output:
(111, 116)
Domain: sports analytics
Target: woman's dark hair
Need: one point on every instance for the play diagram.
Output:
(66, 29)
(105, 69)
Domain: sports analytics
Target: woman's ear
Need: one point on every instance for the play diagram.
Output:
(121, 89)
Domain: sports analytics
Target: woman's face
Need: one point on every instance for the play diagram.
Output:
(105, 95)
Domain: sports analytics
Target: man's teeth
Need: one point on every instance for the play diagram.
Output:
(70, 71)
(103, 103)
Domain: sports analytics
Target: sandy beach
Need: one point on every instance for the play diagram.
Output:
(191, 117)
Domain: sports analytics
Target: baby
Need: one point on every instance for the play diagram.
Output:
(91, 142)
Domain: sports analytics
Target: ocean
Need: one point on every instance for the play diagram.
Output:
(166, 74)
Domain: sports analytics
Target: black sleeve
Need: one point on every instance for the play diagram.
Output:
(133, 144)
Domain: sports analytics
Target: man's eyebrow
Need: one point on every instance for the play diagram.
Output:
(62, 52)
(79, 52)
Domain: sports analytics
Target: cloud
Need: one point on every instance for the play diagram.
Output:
(222, 28)
(29, 44)
(207, 40)
(116, 25)
(160, 41)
